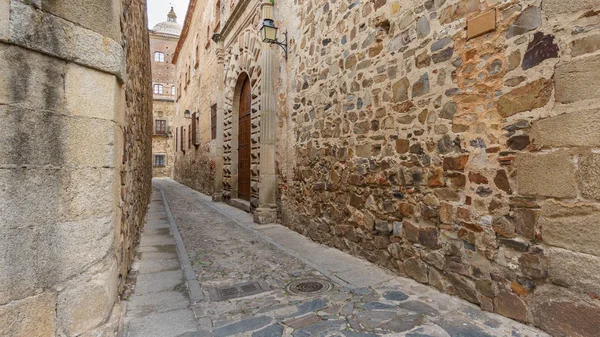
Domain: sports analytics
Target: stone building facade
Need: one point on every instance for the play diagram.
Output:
(196, 61)
(75, 170)
(454, 142)
(163, 41)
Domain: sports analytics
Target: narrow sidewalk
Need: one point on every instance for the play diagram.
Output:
(160, 304)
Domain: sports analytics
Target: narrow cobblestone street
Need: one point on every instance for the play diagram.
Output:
(226, 249)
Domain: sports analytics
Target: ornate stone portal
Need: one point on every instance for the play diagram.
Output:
(246, 56)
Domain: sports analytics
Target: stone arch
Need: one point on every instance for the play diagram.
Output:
(244, 60)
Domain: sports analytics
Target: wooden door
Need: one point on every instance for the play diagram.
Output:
(244, 142)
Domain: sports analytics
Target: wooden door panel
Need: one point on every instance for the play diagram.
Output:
(244, 141)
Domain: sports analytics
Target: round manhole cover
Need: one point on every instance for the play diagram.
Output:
(309, 287)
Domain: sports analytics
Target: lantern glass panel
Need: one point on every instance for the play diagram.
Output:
(270, 33)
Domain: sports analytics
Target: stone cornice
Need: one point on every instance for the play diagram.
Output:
(163, 36)
(184, 30)
(233, 18)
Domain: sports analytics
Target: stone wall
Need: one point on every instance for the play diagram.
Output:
(466, 164)
(195, 166)
(74, 162)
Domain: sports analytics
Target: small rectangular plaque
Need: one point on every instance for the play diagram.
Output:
(481, 24)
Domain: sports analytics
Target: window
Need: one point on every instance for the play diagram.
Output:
(173, 91)
(159, 57)
(213, 121)
(160, 160)
(189, 137)
(176, 140)
(160, 127)
(195, 120)
(158, 89)
(182, 139)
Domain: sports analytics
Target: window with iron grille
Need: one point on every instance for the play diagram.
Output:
(160, 127)
(160, 160)
(213, 121)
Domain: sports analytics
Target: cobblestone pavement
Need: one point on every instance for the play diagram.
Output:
(226, 250)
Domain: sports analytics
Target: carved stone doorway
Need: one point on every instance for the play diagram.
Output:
(244, 141)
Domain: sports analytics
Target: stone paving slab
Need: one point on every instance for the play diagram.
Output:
(163, 324)
(226, 248)
(153, 266)
(160, 281)
(159, 302)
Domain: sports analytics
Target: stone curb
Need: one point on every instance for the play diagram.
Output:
(194, 290)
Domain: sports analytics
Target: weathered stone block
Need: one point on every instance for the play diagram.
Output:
(541, 48)
(534, 265)
(510, 305)
(91, 93)
(417, 269)
(528, 97)
(504, 226)
(87, 300)
(577, 128)
(400, 90)
(574, 270)
(577, 79)
(102, 17)
(57, 140)
(528, 20)
(18, 277)
(552, 8)
(564, 313)
(526, 221)
(571, 226)
(465, 287)
(589, 175)
(548, 174)
(91, 195)
(53, 35)
(456, 163)
(585, 45)
(31, 80)
(33, 316)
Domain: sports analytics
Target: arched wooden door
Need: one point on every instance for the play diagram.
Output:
(244, 141)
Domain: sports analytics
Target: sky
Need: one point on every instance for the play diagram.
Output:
(158, 10)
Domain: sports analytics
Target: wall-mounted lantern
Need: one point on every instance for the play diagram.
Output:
(187, 114)
(268, 33)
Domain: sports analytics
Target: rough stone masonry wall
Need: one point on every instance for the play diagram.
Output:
(196, 167)
(469, 165)
(74, 162)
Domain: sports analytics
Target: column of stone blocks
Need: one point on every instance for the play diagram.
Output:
(62, 109)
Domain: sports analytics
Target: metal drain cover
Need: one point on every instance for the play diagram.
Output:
(309, 287)
(237, 291)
